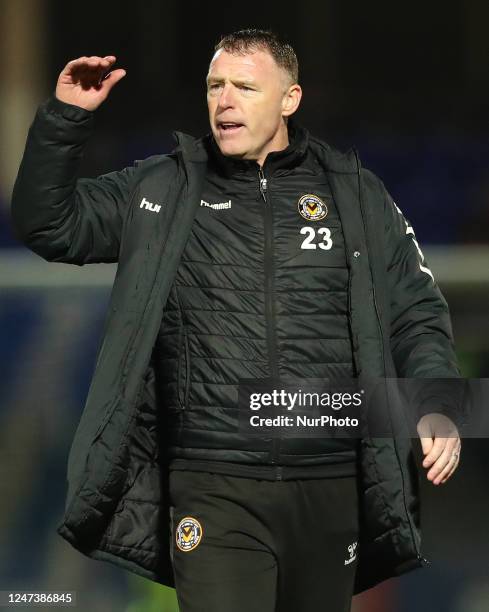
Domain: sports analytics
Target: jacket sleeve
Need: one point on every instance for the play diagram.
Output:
(60, 217)
(421, 335)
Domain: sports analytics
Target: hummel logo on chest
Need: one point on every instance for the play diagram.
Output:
(150, 206)
(217, 206)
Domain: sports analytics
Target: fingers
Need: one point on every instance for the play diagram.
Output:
(426, 445)
(442, 461)
(92, 61)
(112, 78)
(436, 451)
(89, 71)
(452, 466)
(445, 461)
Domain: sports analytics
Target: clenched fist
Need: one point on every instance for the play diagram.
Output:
(87, 81)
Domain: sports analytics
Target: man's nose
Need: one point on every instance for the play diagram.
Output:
(226, 99)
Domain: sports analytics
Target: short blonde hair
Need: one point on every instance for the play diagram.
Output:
(244, 41)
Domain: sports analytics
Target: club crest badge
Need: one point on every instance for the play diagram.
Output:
(311, 207)
(188, 534)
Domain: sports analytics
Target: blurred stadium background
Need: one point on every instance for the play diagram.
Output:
(407, 83)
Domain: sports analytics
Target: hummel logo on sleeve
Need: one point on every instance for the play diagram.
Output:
(218, 206)
(352, 552)
(150, 206)
(410, 231)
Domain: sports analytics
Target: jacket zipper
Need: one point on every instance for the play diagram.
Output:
(263, 184)
(269, 305)
(421, 559)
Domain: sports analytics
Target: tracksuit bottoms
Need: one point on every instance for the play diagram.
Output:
(240, 544)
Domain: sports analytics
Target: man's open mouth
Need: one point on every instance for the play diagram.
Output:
(229, 128)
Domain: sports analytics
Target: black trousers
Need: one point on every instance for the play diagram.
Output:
(246, 545)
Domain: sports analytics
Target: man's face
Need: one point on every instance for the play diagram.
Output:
(247, 99)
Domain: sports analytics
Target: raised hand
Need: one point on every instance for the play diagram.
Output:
(87, 81)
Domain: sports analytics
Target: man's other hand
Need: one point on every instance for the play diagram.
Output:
(441, 445)
(87, 81)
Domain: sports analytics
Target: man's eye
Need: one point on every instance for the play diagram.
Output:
(246, 87)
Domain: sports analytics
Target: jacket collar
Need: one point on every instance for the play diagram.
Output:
(287, 158)
(193, 149)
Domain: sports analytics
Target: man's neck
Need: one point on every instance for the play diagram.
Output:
(279, 143)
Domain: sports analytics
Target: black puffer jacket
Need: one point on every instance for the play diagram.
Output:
(261, 291)
(117, 500)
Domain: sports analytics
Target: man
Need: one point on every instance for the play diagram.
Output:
(255, 253)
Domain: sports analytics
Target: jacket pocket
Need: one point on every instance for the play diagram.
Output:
(183, 370)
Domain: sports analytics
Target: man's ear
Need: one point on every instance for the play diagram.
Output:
(291, 100)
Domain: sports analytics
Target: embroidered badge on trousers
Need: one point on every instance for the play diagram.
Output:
(188, 534)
